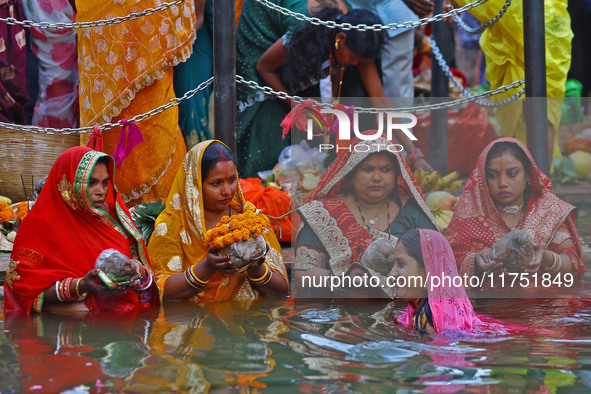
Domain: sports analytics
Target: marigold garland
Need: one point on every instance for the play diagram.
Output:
(23, 210)
(236, 228)
(6, 213)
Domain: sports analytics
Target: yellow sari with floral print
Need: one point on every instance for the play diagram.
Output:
(126, 70)
(178, 238)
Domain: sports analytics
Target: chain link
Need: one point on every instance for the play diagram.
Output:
(102, 22)
(476, 30)
(88, 129)
(373, 110)
(363, 27)
(441, 61)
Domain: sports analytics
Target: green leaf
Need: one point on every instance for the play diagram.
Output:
(145, 216)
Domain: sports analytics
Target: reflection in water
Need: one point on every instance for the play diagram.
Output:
(281, 344)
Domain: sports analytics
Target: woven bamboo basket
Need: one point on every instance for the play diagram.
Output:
(30, 155)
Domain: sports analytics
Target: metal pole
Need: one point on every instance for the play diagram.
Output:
(224, 71)
(536, 109)
(439, 92)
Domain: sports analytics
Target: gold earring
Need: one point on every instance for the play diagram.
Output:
(336, 44)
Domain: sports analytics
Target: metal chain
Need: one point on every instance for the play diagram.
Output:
(476, 30)
(88, 129)
(373, 110)
(102, 22)
(363, 26)
(441, 61)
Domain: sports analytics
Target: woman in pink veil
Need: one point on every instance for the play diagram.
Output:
(435, 305)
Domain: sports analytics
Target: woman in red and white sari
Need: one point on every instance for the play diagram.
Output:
(507, 191)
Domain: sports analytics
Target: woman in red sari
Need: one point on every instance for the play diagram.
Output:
(79, 214)
(367, 193)
(507, 191)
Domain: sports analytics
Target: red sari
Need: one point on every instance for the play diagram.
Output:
(339, 239)
(64, 233)
(476, 223)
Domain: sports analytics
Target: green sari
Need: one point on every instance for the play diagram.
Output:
(259, 116)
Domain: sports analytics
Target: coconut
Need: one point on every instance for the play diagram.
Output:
(582, 162)
(515, 250)
(379, 256)
(243, 253)
(116, 269)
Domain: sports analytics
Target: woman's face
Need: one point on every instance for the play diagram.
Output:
(406, 266)
(220, 186)
(345, 57)
(98, 184)
(375, 178)
(506, 179)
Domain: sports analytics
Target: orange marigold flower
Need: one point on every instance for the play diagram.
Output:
(235, 224)
(6, 213)
(219, 243)
(223, 230)
(228, 239)
(237, 236)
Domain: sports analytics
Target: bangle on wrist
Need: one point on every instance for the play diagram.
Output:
(80, 297)
(193, 280)
(263, 280)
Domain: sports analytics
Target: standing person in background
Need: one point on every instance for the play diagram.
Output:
(55, 50)
(503, 44)
(126, 70)
(397, 54)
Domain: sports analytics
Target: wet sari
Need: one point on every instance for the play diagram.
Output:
(476, 223)
(330, 237)
(64, 233)
(449, 309)
(178, 239)
(126, 70)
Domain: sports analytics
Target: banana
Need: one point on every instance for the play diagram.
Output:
(447, 215)
(439, 185)
(431, 181)
(6, 200)
(449, 178)
(454, 186)
(419, 177)
(441, 223)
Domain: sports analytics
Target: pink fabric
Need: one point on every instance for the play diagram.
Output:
(130, 136)
(451, 309)
(95, 141)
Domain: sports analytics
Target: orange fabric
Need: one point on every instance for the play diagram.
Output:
(575, 144)
(126, 70)
(272, 202)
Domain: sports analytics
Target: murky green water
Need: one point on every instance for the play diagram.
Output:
(277, 344)
(287, 345)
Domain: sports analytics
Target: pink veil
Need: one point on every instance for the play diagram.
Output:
(450, 306)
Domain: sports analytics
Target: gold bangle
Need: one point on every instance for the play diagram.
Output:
(261, 278)
(556, 263)
(84, 295)
(200, 281)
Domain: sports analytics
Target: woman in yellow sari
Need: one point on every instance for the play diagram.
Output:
(126, 70)
(206, 188)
